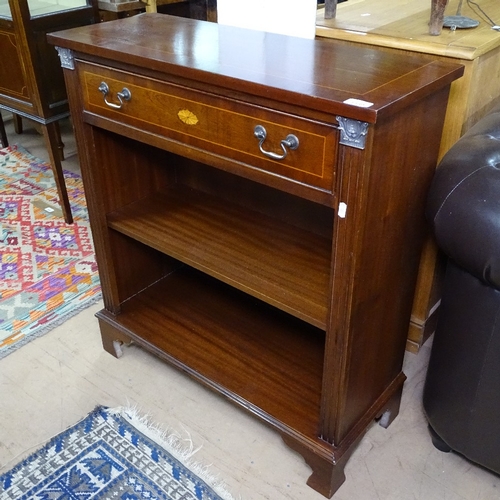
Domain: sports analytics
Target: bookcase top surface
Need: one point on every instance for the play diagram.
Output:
(332, 76)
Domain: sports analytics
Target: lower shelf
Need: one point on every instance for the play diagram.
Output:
(263, 359)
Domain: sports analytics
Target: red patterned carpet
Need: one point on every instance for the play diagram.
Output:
(47, 267)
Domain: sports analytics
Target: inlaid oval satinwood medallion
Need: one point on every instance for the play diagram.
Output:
(187, 117)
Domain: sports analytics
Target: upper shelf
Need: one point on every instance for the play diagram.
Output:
(327, 76)
(404, 24)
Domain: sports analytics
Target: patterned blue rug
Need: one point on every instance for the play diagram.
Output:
(111, 454)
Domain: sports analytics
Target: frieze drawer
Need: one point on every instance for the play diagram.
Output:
(271, 142)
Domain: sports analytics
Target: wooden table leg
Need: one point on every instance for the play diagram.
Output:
(52, 140)
(437, 15)
(3, 134)
(330, 9)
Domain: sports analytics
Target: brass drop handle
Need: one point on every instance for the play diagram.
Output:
(124, 95)
(290, 141)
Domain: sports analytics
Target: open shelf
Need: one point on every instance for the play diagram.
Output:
(285, 266)
(266, 360)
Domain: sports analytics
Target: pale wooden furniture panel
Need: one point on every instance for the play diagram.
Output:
(404, 25)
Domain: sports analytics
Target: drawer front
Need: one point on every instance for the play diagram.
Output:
(217, 125)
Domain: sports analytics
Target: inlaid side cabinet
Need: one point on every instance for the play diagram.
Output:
(256, 203)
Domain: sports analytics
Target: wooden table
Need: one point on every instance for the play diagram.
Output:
(403, 24)
(255, 204)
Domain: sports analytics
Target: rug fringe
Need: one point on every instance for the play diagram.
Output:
(180, 448)
(169, 441)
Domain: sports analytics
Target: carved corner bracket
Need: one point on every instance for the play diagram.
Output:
(66, 57)
(352, 132)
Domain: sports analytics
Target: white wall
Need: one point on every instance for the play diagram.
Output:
(288, 17)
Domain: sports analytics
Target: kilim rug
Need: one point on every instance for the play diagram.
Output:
(47, 267)
(111, 454)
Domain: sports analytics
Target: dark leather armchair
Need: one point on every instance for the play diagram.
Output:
(461, 394)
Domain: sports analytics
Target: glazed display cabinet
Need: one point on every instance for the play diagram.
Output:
(256, 203)
(31, 79)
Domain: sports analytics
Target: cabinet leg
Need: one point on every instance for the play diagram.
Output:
(391, 410)
(52, 139)
(113, 339)
(327, 471)
(60, 143)
(3, 134)
(18, 123)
